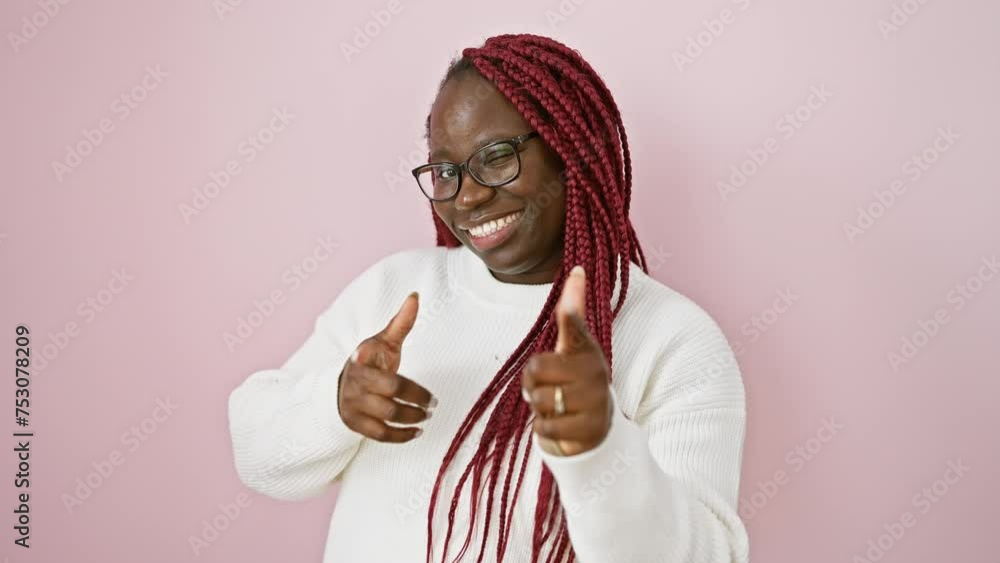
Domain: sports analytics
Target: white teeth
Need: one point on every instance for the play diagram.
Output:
(494, 226)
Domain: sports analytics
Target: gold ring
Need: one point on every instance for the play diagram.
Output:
(560, 404)
(559, 447)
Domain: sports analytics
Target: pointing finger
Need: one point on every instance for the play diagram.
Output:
(393, 386)
(371, 352)
(550, 368)
(382, 432)
(380, 408)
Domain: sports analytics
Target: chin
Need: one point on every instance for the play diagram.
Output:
(502, 260)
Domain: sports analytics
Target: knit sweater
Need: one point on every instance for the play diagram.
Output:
(662, 487)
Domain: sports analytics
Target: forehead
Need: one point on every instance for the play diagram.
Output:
(468, 113)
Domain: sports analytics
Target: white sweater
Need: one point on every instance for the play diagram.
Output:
(661, 488)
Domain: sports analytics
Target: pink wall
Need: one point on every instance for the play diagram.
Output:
(199, 85)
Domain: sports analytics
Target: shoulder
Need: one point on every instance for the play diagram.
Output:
(673, 314)
(411, 266)
(384, 282)
(375, 293)
(690, 362)
(381, 279)
(410, 259)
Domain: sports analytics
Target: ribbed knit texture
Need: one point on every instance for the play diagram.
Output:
(661, 488)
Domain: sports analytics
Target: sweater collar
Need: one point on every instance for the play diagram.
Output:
(475, 278)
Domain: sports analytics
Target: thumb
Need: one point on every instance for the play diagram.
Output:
(402, 323)
(573, 332)
(371, 352)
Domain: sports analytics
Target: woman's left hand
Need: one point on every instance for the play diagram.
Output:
(579, 368)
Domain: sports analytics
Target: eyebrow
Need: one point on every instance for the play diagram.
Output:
(480, 144)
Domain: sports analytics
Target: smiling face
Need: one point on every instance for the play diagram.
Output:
(516, 229)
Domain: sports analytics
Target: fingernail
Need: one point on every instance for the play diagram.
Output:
(526, 395)
(418, 432)
(577, 271)
(429, 413)
(414, 294)
(354, 355)
(433, 403)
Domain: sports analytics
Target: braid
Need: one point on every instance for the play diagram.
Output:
(565, 100)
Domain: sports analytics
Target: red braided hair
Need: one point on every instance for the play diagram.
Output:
(565, 100)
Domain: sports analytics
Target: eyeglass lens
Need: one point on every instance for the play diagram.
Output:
(491, 165)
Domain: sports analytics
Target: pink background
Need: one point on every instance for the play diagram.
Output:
(324, 175)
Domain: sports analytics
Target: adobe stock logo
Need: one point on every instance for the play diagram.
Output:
(296, 274)
(899, 17)
(88, 309)
(121, 106)
(220, 522)
(133, 438)
(248, 149)
(601, 485)
(788, 125)
(30, 27)
(225, 7)
(923, 501)
(958, 298)
(914, 168)
(363, 36)
(723, 365)
(418, 498)
(566, 9)
(796, 458)
(697, 44)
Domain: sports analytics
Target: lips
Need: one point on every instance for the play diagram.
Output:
(490, 227)
(489, 234)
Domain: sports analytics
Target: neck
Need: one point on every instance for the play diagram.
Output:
(543, 272)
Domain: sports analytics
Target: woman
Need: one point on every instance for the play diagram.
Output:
(582, 411)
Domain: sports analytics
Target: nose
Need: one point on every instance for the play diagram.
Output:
(473, 194)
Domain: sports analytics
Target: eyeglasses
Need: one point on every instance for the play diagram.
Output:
(494, 165)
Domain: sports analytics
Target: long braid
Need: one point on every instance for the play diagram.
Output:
(565, 100)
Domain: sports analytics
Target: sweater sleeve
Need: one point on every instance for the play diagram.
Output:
(288, 439)
(663, 487)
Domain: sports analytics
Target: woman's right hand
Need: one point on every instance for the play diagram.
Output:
(371, 393)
